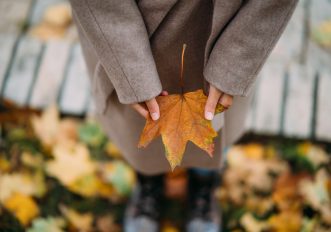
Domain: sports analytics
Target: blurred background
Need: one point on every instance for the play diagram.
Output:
(59, 172)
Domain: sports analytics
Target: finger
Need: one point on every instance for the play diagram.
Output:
(213, 97)
(140, 109)
(226, 100)
(153, 109)
(164, 93)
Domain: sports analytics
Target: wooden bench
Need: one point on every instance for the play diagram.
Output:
(292, 96)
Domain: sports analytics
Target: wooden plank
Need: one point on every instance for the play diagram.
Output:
(23, 70)
(7, 43)
(50, 74)
(13, 15)
(39, 9)
(298, 109)
(320, 11)
(323, 124)
(76, 88)
(250, 118)
(289, 45)
(269, 98)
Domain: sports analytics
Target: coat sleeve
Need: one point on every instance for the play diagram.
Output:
(117, 32)
(242, 48)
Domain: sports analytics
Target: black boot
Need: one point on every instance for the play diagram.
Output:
(144, 208)
(204, 214)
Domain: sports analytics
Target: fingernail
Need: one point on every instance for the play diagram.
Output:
(209, 115)
(155, 116)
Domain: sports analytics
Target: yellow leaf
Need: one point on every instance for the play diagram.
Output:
(16, 183)
(182, 120)
(254, 151)
(58, 15)
(286, 194)
(286, 221)
(253, 225)
(4, 164)
(113, 151)
(315, 193)
(91, 186)
(46, 126)
(107, 224)
(70, 163)
(51, 130)
(119, 175)
(81, 222)
(23, 207)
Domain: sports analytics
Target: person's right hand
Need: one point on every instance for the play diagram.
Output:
(149, 107)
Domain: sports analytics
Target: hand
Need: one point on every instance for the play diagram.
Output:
(216, 96)
(149, 107)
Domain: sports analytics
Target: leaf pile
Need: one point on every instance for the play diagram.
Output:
(279, 187)
(275, 187)
(61, 175)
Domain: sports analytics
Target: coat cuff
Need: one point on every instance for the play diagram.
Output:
(139, 92)
(227, 81)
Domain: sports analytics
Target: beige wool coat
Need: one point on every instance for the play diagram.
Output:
(133, 48)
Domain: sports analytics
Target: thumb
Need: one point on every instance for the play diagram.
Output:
(153, 109)
(212, 100)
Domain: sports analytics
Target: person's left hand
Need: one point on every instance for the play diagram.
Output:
(216, 96)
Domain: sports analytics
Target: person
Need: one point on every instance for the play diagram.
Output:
(133, 50)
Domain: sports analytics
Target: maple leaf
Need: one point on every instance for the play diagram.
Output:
(70, 163)
(50, 224)
(280, 222)
(181, 120)
(81, 222)
(316, 194)
(17, 183)
(23, 207)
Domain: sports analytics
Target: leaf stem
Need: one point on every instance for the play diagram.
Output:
(182, 69)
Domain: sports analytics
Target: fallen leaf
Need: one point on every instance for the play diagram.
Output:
(32, 160)
(92, 134)
(58, 15)
(119, 175)
(51, 130)
(113, 151)
(70, 163)
(254, 150)
(81, 222)
(322, 34)
(46, 32)
(315, 193)
(4, 164)
(91, 185)
(107, 223)
(49, 224)
(23, 207)
(286, 221)
(16, 183)
(46, 125)
(318, 156)
(251, 224)
(286, 194)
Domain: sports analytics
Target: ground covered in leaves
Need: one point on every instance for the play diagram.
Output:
(62, 174)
